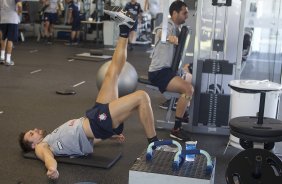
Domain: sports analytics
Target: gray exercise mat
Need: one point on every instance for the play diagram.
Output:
(101, 159)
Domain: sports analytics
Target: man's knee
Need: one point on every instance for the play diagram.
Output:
(188, 94)
(188, 89)
(143, 96)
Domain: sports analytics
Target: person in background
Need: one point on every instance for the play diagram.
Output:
(160, 72)
(50, 17)
(135, 9)
(9, 20)
(74, 20)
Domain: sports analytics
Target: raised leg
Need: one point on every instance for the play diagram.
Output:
(121, 108)
(109, 88)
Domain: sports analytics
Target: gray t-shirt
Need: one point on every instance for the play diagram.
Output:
(53, 6)
(69, 139)
(163, 52)
(8, 12)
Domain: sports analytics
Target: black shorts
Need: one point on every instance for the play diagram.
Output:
(51, 17)
(161, 78)
(10, 32)
(101, 122)
(75, 25)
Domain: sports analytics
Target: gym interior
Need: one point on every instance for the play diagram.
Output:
(234, 115)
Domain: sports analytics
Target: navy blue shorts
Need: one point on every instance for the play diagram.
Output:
(101, 121)
(10, 32)
(161, 78)
(51, 17)
(75, 25)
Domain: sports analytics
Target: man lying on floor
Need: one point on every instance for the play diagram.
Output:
(104, 120)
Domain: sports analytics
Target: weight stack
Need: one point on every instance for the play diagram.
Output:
(214, 109)
(211, 105)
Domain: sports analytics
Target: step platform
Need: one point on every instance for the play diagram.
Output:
(159, 170)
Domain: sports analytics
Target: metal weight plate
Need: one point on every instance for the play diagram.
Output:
(254, 166)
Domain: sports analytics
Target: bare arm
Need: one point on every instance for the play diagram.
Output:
(19, 8)
(44, 153)
(170, 38)
(69, 19)
(119, 138)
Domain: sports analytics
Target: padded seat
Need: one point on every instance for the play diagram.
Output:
(247, 128)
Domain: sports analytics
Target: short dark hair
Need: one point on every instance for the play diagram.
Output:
(25, 145)
(176, 6)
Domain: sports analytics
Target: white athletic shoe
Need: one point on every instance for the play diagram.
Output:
(10, 63)
(120, 16)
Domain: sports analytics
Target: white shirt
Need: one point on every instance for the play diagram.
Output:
(53, 6)
(8, 12)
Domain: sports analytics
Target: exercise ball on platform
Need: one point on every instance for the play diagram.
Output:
(127, 81)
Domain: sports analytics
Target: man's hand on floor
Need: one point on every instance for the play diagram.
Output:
(120, 138)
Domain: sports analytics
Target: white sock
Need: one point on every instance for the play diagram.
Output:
(8, 58)
(2, 54)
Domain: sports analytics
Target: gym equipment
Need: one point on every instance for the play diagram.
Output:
(144, 30)
(256, 164)
(247, 104)
(221, 2)
(89, 56)
(179, 155)
(160, 170)
(65, 92)
(179, 55)
(177, 158)
(99, 159)
(209, 167)
(247, 43)
(215, 51)
(213, 107)
(127, 82)
(94, 52)
(165, 21)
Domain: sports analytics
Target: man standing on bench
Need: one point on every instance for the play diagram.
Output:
(104, 120)
(160, 73)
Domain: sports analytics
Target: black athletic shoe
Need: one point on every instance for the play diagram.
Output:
(165, 105)
(180, 134)
(119, 15)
